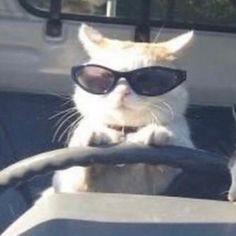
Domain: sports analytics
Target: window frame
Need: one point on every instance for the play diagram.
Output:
(76, 17)
(142, 23)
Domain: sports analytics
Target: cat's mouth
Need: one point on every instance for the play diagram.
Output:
(121, 103)
(123, 106)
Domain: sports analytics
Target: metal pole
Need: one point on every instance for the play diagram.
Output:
(111, 8)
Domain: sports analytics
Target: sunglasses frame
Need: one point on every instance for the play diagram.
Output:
(181, 76)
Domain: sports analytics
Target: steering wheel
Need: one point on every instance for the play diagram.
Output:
(192, 160)
(46, 218)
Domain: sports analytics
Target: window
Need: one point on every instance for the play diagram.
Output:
(40, 4)
(213, 12)
(105, 8)
(109, 8)
(210, 15)
(84, 7)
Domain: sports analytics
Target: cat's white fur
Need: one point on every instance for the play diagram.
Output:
(160, 119)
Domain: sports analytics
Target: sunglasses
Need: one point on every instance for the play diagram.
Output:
(147, 81)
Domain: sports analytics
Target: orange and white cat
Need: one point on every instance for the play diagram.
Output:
(159, 120)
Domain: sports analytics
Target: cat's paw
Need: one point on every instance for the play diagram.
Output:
(98, 137)
(151, 135)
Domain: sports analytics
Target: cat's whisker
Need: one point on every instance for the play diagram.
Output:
(62, 123)
(155, 118)
(67, 129)
(72, 128)
(67, 98)
(67, 102)
(170, 108)
(62, 112)
(164, 107)
(64, 117)
(151, 104)
(153, 122)
(69, 132)
(159, 109)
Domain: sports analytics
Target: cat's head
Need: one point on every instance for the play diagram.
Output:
(122, 106)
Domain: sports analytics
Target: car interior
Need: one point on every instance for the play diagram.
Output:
(39, 45)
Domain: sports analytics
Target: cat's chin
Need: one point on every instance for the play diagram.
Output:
(122, 107)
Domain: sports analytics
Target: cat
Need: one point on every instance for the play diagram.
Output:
(159, 120)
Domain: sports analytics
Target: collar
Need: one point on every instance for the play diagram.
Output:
(124, 129)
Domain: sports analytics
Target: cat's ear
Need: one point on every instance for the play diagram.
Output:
(91, 39)
(176, 44)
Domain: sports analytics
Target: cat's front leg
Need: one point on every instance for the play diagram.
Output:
(75, 179)
(151, 135)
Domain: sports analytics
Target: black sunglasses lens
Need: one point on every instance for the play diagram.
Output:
(94, 79)
(155, 81)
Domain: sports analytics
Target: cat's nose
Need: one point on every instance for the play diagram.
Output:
(123, 89)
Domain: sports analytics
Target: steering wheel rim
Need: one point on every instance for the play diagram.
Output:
(179, 157)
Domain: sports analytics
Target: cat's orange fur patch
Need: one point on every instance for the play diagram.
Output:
(151, 50)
